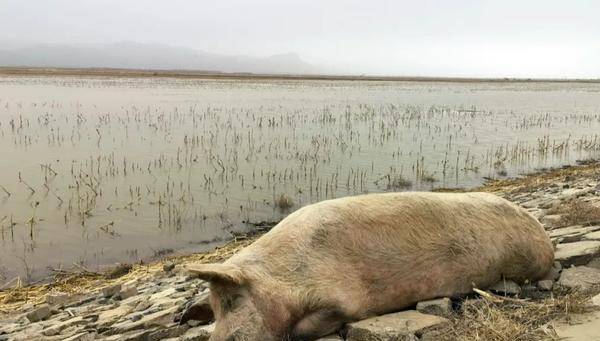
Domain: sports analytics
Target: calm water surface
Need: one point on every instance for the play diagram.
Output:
(99, 170)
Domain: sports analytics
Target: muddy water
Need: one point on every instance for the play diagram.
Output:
(99, 170)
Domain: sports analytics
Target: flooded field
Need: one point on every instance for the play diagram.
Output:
(99, 170)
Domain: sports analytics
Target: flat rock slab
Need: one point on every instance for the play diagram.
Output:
(110, 290)
(578, 253)
(56, 298)
(402, 326)
(39, 313)
(581, 277)
(56, 328)
(545, 285)
(160, 318)
(439, 307)
(572, 233)
(198, 334)
(506, 287)
(551, 220)
(565, 231)
(592, 235)
(84, 336)
(586, 329)
(596, 300)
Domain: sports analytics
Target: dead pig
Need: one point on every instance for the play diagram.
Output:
(351, 258)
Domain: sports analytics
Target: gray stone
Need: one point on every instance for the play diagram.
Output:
(32, 332)
(575, 193)
(578, 253)
(143, 305)
(110, 316)
(41, 312)
(84, 336)
(171, 332)
(134, 335)
(56, 298)
(127, 292)
(579, 328)
(581, 277)
(531, 203)
(592, 236)
(81, 302)
(594, 263)
(164, 303)
(160, 318)
(193, 323)
(549, 204)
(162, 294)
(545, 284)
(551, 220)
(596, 300)
(572, 233)
(564, 231)
(506, 287)
(10, 328)
(402, 326)
(58, 327)
(531, 291)
(198, 333)
(110, 290)
(135, 317)
(73, 330)
(439, 307)
(168, 267)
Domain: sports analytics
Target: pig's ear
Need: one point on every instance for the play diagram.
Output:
(219, 273)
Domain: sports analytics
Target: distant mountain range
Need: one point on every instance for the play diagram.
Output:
(131, 55)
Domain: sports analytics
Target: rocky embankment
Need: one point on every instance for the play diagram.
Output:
(163, 301)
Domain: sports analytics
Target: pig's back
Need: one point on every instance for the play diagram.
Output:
(373, 249)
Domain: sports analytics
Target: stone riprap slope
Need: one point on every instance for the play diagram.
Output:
(163, 301)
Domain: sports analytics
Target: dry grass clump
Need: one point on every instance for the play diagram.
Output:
(578, 212)
(429, 178)
(84, 282)
(534, 181)
(505, 319)
(284, 202)
(397, 181)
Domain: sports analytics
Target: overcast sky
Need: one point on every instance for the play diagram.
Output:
(513, 38)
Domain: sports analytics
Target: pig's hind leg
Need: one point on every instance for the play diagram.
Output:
(317, 324)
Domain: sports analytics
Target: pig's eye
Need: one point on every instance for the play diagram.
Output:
(230, 302)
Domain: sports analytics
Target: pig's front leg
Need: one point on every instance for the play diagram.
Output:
(317, 324)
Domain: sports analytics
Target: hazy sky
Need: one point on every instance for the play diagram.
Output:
(519, 38)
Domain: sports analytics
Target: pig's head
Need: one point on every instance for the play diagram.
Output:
(238, 316)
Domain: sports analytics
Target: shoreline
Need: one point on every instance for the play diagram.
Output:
(216, 75)
(79, 279)
(162, 299)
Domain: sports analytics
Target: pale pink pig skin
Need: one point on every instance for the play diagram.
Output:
(351, 258)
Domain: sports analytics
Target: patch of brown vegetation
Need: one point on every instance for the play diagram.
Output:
(118, 271)
(499, 319)
(531, 182)
(284, 202)
(84, 282)
(577, 212)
